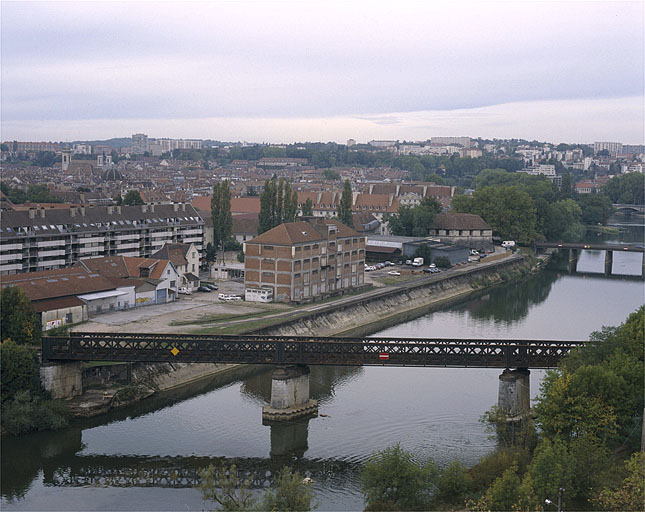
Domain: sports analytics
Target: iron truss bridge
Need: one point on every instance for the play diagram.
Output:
(305, 350)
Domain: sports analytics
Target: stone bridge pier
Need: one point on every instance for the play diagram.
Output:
(290, 395)
(62, 380)
(514, 397)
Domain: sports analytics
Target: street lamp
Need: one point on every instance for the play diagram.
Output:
(560, 493)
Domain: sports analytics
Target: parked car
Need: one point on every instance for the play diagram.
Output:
(394, 273)
(222, 296)
(204, 289)
(212, 287)
(234, 297)
(184, 290)
(388, 264)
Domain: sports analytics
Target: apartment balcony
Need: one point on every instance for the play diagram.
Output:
(132, 236)
(10, 257)
(49, 254)
(50, 243)
(11, 247)
(121, 247)
(51, 263)
(85, 250)
(10, 267)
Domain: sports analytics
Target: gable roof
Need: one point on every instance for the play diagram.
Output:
(459, 221)
(50, 284)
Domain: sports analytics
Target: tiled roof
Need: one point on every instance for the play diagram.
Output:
(459, 221)
(63, 282)
(302, 232)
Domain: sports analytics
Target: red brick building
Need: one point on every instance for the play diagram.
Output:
(305, 260)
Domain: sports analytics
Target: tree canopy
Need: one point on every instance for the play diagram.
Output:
(345, 206)
(415, 221)
(18, 319)
(221, 214)
(132, 198)
(278, 204)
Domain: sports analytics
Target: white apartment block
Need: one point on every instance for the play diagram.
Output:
(612, 147)
(139, 143)
(451, 141)
(44, 239)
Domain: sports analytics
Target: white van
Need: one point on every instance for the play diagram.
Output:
(507, 244)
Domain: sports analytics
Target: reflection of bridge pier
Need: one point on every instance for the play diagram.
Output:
(289, 438)
(290, 394)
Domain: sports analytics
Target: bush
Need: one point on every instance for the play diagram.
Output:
(19, 370)
(18, 320)
(290, 493)
(391, 478)
(442, 262)
(27, 413)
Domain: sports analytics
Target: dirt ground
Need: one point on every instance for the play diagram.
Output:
(158, 318)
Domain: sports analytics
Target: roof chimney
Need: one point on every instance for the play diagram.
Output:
(72, 211)
(42, 213)
(32, 213)
(152, 208)
(83, 211)
(144, 208)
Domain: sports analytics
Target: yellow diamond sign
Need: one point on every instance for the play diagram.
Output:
(174, 351)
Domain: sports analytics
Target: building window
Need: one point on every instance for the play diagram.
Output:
(173, 284)
(267, 247)
(69, 318)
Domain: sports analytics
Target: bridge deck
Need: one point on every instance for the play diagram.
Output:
(591, 246)
(285, 350)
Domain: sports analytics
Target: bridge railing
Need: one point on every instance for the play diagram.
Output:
(285, 350)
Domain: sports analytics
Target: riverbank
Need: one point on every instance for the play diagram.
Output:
(361, 315)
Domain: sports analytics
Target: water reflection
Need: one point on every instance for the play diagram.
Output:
(62, 459)
(511, 302)
(323, 382)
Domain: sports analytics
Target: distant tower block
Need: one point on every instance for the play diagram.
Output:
(67, 159)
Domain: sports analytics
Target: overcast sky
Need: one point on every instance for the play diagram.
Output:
(296, 71)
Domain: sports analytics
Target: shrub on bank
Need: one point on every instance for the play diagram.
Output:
(25, 406)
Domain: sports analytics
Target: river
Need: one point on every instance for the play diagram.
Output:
(145, 457)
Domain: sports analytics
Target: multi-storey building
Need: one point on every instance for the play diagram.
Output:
(612, 147)
(305, 260)
(139, 143)
(449, 141)
(41, 239)
(33, 146)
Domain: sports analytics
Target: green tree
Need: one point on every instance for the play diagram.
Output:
(629, 495)
(415, 221)
(563, 221)
(118, 200)
(221, 214)
(596, 208)
(19, 365)
(18, 320)
(509, 210)
(331, 175)
(504, 494)
(226, 487)
(345, 206)
(278, 204)
(132, 198)
(290, 493)
(266, 218)
(550, 469)
(308, 208)
(392, 480)
(453, 485)
(627, 188)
